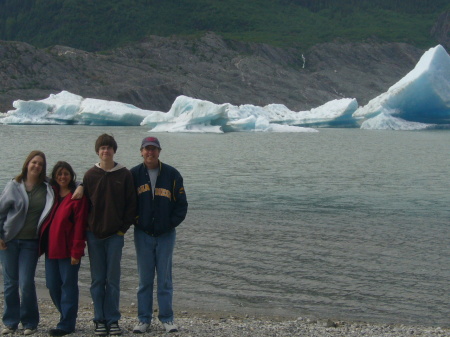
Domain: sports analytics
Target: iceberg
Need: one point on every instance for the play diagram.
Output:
(186, 115)
(418, 101)
(189, 114)
(99, 112)
(421, 96)
(384, 121)
(68, 108)
(336, 113)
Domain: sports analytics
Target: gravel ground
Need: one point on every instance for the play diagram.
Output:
(214, 324)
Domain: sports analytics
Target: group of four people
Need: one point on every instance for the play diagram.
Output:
(57, 217)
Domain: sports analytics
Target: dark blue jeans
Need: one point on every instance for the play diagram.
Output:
(62, 282)
(19, 263)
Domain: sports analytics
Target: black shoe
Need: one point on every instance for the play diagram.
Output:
(58, 332)
(114, 329)
(100, 329)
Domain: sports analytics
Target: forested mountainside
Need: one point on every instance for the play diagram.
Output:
(95, 25)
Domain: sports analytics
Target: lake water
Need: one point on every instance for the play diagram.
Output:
(343, 224)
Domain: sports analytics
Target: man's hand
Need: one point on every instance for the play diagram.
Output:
(78, 194)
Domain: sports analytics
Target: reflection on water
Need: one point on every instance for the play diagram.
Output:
(346, 224)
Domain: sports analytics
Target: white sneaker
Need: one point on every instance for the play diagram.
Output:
(170, 326)
(141, 327)
(29, 331)
(7, 329)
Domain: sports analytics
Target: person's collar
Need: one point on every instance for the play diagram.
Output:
(115, 167)
(158, 166)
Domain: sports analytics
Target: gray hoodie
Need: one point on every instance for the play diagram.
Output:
(14, 207)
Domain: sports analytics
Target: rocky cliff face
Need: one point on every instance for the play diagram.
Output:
(153, 73)
(441, 30)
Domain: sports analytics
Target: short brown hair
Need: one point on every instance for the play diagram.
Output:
(24, 173)
(105, 140)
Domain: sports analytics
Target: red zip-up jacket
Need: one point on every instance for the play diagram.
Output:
(63, 234)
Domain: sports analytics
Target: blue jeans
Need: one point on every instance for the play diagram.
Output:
(105, 256)
(154, 254)
(62, 282)
(19, 263)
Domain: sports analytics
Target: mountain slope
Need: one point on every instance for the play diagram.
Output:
(153, 73)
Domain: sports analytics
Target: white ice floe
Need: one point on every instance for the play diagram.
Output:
(422, 96)
(385, 121)
(420, 100)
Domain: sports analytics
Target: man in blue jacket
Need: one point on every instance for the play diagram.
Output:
(162, 206)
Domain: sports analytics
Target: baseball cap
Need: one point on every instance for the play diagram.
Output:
(150, 141)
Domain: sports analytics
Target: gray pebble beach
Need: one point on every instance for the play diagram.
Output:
(215, 324)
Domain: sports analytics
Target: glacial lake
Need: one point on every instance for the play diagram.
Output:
(343, 224)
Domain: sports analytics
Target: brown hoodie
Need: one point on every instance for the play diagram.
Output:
(112, 200)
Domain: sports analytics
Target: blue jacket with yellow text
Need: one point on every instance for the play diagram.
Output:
(167, 209)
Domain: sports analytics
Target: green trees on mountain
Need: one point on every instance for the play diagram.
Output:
(102, 24)
(402, 6)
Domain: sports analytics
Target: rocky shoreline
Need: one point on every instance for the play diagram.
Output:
(215, 324)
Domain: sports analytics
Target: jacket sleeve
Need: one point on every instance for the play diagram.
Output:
(180, 199)
(6, 202)
(130, 203)
(48, 220)
(80, 223)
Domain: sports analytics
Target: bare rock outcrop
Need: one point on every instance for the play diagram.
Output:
(151, 74)
(441, 30)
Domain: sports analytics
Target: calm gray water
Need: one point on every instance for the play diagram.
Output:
(344, 224)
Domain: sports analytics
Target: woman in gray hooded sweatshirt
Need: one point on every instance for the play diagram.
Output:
(24, 203)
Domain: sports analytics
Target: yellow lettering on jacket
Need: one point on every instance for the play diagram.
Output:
(163, 193)
(143, 188)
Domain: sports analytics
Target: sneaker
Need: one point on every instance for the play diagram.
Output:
(170, 326)
(141, 327)
(114, 329)
(29, 331)
(8, 329)
(100, 329)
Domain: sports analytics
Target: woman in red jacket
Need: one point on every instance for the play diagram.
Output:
(63, 239)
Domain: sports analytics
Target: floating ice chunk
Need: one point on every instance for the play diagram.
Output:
(67, 108)
(193, 115)
(190, 128)
(99, 112)
(423, 95)
(335, 113)
(385, 121)
(28, 113)
(187, 114)
(56, 109)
